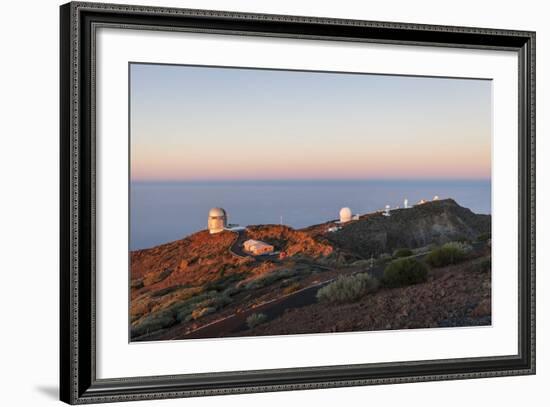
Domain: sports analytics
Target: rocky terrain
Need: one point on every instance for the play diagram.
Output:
(202, 286)
(458, 295)
(434, 222)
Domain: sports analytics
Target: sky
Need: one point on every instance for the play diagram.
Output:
(191, 123)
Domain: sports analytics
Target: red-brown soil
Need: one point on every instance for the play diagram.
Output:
(165, 275)
(454, 296)
(181, 286)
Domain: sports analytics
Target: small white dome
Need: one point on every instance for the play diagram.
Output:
(345, 214)
(215, 212)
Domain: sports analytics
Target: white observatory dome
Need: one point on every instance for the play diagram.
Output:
(217, 212)
(217, 220)
(345, 215)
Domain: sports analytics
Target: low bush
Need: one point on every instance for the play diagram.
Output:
(403, 253)
(348, 289)
(449, 253)
(232, 291)
(187, 308)
(153, 323)
(269, 278)
(153, 278)
(403, 272)
(463, 246)
(176, 289)
(190, 309)
(209, 305)
(224, 281)
(484, 237)
(255, 320)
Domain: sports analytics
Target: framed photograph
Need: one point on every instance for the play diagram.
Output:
(255, 203)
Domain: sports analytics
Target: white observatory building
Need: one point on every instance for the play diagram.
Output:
(217, 220)
(345, 215)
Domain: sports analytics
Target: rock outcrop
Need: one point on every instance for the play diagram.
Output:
(433, 222)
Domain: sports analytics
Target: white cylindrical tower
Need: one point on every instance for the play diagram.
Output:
(217, 220)
(345, 215)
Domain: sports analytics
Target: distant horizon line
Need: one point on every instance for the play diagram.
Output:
(268, 180)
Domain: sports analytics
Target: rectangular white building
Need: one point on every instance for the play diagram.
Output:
(257, 247)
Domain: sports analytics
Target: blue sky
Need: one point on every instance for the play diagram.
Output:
(203, 123)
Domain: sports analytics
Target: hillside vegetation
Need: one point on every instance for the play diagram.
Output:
(182, 286)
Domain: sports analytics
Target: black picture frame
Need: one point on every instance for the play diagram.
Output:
(78, 382)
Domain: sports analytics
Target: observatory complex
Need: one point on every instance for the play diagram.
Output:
(217, 222)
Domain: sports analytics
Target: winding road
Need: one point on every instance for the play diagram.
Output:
(236, 248)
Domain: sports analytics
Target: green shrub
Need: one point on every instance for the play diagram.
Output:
(255, 320)
(232, 291)
(185, 309)
(153, 323)
(224, 281)
(403, 272)
(462, 239)
(169, 290)
(463, 246)
(348, 289)
(383, 259)
(483, 237)
(449, 253)
(189, 309)
(403, 253)
(185, 313)
(269, 278)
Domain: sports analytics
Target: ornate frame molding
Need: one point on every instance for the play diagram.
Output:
(78, 380)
